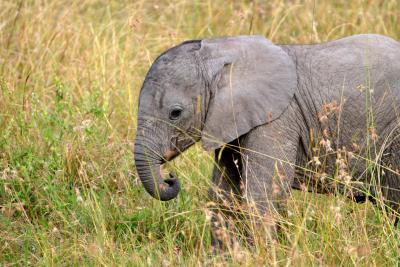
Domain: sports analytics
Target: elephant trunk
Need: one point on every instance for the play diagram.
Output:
(148, 165)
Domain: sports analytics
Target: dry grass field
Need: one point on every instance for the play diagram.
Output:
(70, 74)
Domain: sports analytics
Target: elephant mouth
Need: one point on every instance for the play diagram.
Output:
(170, 154)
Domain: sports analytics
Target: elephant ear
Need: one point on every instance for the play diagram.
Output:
(252, 82)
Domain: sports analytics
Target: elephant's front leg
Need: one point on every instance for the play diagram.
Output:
(269, 154)
(225, 193)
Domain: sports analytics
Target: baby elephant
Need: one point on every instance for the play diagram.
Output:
(322, 118)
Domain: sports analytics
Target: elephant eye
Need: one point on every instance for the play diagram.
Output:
(175, 113)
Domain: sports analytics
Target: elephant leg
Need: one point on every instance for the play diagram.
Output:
(269, 155)
(390, 176)
(225, 193)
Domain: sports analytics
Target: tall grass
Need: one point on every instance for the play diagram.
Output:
(70, 74)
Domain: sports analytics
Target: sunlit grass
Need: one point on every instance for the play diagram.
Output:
(70, 74)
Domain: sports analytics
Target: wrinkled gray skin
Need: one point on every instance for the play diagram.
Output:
(267, 103)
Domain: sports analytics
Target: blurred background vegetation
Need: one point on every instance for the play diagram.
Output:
(70, 74)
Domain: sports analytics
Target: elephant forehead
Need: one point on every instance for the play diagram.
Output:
(156, 97)
(167, 67)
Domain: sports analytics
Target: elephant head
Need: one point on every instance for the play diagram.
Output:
(211, 90)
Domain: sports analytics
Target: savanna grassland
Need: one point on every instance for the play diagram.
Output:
(70, 74)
